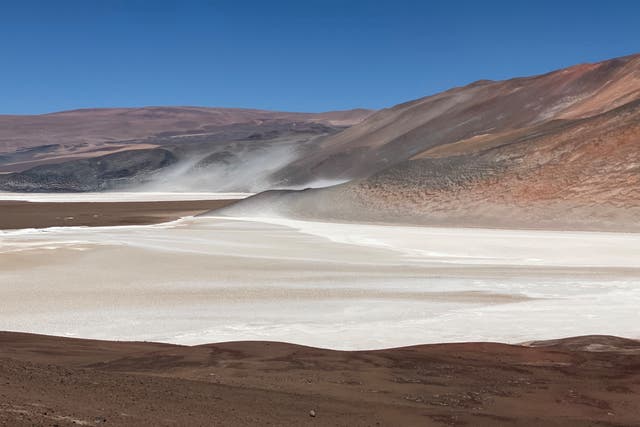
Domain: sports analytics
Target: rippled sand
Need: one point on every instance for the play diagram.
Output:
(345, 286)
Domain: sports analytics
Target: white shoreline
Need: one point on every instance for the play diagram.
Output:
(478, 246)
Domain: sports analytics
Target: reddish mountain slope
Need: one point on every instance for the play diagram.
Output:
(477, 113)
(560, 150)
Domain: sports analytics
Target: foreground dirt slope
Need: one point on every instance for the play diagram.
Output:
(574, 382)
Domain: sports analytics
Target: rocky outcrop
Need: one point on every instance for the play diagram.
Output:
(95, 174)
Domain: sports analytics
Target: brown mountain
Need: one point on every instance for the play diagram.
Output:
(29, 140)
(97, 125)
(175, 148)
(559, 150)
(478, 116)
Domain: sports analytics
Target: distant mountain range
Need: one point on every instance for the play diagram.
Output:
(176, 148)
(556, 150)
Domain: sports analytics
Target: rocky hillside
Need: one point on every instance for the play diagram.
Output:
(561, 150)
(178, 149)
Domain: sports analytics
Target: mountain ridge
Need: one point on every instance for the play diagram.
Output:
(560, 150)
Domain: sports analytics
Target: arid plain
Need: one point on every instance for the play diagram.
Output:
(334, 286)
(467, 258)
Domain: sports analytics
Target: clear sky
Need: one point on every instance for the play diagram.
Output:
(304, 55)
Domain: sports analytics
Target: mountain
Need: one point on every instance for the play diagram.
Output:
(184, 148)
(95, 126)
(559, 150)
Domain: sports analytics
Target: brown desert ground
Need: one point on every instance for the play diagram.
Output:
(17, 214)
(584, 381)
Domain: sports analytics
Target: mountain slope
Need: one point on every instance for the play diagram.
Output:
(98, 125)
(484, 110)
(560, 150)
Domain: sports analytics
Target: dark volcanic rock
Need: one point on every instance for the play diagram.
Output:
(223, 157)
(95, 174)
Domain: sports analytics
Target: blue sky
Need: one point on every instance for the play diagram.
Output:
(303, 55)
